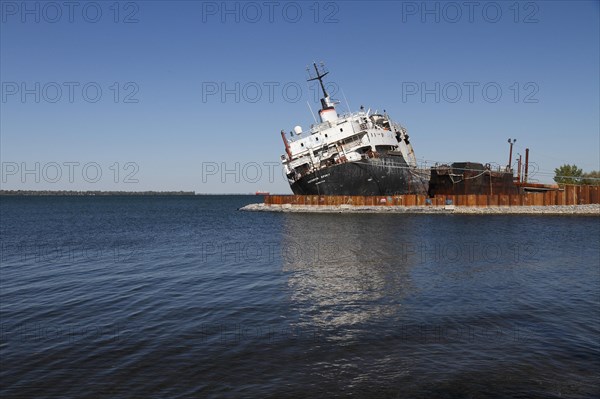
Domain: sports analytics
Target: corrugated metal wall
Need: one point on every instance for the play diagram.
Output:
(571, 195)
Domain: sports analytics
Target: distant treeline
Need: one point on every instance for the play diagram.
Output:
(84, 193)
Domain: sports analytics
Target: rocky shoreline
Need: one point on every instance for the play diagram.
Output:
(590, 210)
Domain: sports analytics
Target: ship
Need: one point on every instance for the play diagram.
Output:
(465, 178)
(356, 153)
(473, 178)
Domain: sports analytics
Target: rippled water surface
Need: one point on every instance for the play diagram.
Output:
(188, 297)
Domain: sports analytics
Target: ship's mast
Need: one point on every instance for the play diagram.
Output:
(319, 77)
(327, 113)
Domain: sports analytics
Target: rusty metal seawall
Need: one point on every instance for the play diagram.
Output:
(570, 195)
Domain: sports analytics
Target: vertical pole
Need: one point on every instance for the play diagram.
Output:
(510, 155)
(526, 164)
(519, 170)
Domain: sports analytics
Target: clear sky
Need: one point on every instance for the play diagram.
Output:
(190, 95)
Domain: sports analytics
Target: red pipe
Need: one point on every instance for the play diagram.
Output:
(287, 145)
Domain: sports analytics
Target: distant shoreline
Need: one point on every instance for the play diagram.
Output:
(72, 193)
(75, 193)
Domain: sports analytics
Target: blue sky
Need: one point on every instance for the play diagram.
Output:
(194, 94)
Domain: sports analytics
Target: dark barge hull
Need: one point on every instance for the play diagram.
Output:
(466, 178)
(386, 175)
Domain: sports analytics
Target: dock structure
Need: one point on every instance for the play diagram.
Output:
(567, 195)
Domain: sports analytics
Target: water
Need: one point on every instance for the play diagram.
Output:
(188, 297)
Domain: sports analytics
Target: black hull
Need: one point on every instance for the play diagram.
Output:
(464, 178)
(375, 176)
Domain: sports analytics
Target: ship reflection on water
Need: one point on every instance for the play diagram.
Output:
(341, 278)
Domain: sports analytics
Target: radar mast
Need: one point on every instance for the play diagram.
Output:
(327, 113)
